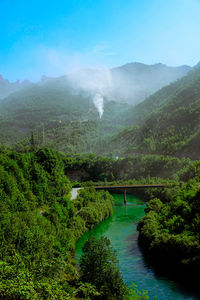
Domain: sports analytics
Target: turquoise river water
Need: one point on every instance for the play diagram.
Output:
(120, 228)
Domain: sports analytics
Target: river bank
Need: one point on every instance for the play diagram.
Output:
(120, 228)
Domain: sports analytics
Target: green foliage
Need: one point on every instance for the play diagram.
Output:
(189, 172)
(165, 123)
(98, 168)
(135, 294)
(99, 266)
(171, 122)
(170, 231)
(40, 225)
(59, 118)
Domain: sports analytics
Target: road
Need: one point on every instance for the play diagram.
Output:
(74, 192)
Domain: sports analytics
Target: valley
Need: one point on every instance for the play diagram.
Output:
(54, 138)
(99, 150)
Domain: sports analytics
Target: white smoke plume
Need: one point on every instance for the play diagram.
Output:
(96, 84)
(130, 83)
(98, 102)
(121, 84)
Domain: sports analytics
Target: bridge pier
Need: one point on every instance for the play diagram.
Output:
(125, 201)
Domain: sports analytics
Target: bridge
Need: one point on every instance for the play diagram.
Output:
(125, 187)
(75, 191)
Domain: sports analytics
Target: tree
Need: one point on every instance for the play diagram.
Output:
(32, 142)
(99, 266)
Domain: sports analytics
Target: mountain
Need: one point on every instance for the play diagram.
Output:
(130, 83)
(168, 122)
(64, 112)
(7, 87)
(134, 82)
(197, 65)
(68, 116)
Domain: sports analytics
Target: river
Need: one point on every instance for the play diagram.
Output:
(120, 228)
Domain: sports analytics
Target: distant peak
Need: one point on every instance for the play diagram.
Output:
(2, 79)
(197, 65)
(159, 64)
(45, 78)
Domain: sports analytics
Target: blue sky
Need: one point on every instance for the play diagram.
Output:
(56, 37)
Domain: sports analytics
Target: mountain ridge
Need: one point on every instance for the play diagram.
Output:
(7, 87)
(131, 82)
(168, 122)
(71, 121)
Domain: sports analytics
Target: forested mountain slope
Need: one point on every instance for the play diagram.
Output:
(133, 82)
(130, 83)
(66, 118)
(34, 107)
(40, 226)
(169, 121)
(53, 105)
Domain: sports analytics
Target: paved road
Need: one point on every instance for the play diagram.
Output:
(74, 193)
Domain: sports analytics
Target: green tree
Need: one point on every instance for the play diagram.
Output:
(99, 266)
(32, 142)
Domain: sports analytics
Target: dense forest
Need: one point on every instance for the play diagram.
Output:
(97, 168)
(169, 233)
(52, 139)
(66, 119)
(40, 226)
(39, 229)
(60, 118)
(167, 122)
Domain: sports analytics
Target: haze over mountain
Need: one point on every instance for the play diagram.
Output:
(54, 105)
(7, 87)
(99, 129)
(129, 83)
(167, 123)
(134, 82)
(87, 110)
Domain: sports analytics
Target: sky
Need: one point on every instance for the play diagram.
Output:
(57, 37)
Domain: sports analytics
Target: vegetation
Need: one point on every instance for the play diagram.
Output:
(59, 117)
(167, 122)
(169, 233)
(68, 121)
(40, 226)
(99, 267)
(133, 82)
(98, 168)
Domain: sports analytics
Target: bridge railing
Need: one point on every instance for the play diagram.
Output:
(134, 186)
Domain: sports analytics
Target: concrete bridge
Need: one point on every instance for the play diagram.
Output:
(75, 191)
(125, 187)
